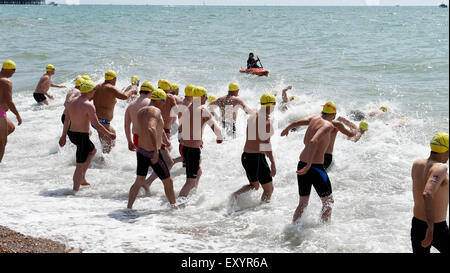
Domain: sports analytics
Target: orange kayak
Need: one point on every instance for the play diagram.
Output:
(256, 71)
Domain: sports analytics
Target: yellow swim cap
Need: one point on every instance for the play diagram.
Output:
(8, 64)
(164, 84)
(110, 75)
(233, 87)
(211, 98)
(147, 86)
(174, 86)
(292, 97)
(363, 125)
(80, 79)
(268, 99)
(199, 91)
(159, 94)
(329, 108)
(50, 67)
(383, 108)
(439, 143)
(134, 79)
(188, 90)
(87, 86)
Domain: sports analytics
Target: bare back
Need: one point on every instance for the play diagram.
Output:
(228, 107)
(195, 138)
(150, 126)
(105, 99)
(320, 130)
(44, 84)
(133, 109)
(258, 137)
(422, 171)
(78, 109)
(5, 93)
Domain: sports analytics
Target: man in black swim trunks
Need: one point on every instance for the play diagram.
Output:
(151, 130)
(44, 85)
(80, 112)
(310, 169)
(257, 147)
(430, 192)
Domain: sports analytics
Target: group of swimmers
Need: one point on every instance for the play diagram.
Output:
(153, 111)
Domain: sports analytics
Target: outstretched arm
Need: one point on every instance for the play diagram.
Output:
(284, 93)
(302, 122)
(340, 126)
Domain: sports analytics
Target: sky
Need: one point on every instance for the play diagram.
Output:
(259, 2)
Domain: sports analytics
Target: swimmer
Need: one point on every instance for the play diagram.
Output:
(105, 99)
(229, 106)
(357, 132)
(192, 137)
(80, 113)
(149, 127)
(44, 85)
(257, 147)
(430, 192)
(6, 103)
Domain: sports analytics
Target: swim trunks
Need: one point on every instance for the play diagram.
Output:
(256, 167)
(328, 158)
(167, 131)
(180, 148)
(83, 143)
(317, 177)
(39, 97)
(136, 140)
(2, 114)
(440, 236)
(63, 118)
(192, 158)
(144, 158)
(104, 121)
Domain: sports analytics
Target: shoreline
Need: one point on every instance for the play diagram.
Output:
(14, 242)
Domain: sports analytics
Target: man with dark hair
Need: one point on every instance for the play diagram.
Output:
(251, 62)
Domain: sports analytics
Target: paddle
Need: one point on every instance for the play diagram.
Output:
(258, 59)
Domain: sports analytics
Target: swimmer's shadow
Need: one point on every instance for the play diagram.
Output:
(57, 193)
(130, 216)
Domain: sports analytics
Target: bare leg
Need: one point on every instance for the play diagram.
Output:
(327, 203)
(168, 189)
(268, 190)
(86, 166)
(3, 136)
(134, 190)
(303, 203)
(78, 176)
(246, 188)
(188, 186)
(107, 143)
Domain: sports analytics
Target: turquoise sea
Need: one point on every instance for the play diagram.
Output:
(359, 57)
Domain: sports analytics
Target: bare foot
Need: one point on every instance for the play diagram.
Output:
(85, 183)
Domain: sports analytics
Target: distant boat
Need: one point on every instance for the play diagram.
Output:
(442, 5)
(52, 4)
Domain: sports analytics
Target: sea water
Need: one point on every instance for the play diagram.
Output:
(358, 57)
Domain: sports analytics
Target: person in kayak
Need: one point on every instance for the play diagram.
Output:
(251, 62)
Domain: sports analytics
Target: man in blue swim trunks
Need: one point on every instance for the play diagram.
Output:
(105, 100)
(310, 169)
